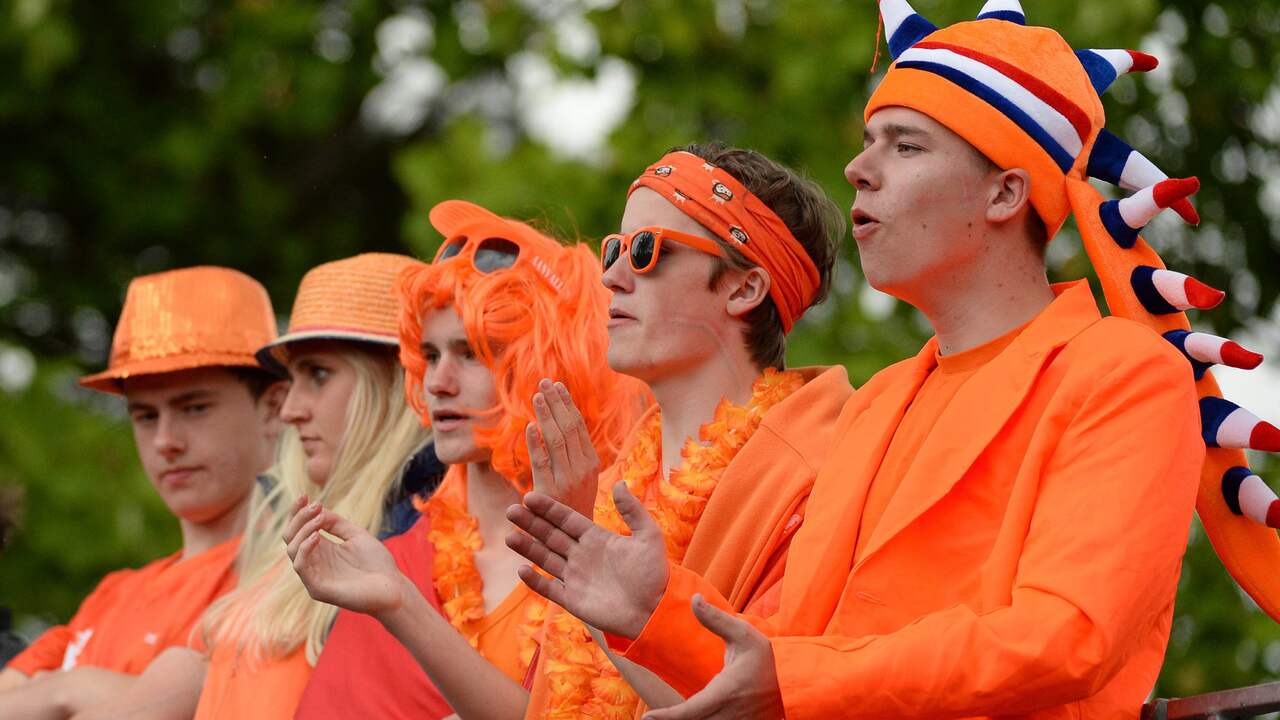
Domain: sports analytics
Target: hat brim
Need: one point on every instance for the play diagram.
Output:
(272, 355)
(110, 381)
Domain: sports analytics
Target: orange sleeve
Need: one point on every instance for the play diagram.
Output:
(48, 650)
(673, 644)
(45, 653)
(1098, 568)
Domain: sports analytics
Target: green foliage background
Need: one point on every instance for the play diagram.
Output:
(136, 137)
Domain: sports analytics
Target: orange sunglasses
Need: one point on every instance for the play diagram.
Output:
(643, 247)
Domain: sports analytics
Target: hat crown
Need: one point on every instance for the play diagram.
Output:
(188, 318)
(353, 295)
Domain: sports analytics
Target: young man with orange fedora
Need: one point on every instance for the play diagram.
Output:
(999, 526)
(204, 416)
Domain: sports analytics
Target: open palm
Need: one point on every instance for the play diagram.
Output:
(609, 581)
(355, 572)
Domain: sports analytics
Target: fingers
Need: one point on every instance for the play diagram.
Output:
(537, 553)
(568, 520)
(539, 529)
(734, 630)
(312, 527)
(643, 526)
(586, 450)
(301, 513)
(552, 590)
(539, 460)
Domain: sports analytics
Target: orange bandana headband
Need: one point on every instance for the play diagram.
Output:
(724, 206)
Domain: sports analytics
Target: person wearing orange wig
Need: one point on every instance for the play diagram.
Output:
(999, 527)
(501, 307)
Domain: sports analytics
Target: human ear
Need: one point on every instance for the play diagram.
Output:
(750, 289)
(1010, 194)
(268, 408)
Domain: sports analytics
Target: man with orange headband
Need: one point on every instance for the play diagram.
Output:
(721, 251)
(999, 527)
(204, 420)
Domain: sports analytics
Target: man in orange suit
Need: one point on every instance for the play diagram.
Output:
(999, 526)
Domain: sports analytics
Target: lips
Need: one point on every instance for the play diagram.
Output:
(619, 317)
(444, 420)
(178, 475)
(864, 224)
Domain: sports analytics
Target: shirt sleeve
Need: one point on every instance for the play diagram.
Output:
(673, 644)
(48, 650)
(1099, 566)
(45, 653)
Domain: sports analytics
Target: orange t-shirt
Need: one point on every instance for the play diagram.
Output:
(133, 615)
(267, 689)
(921, 418)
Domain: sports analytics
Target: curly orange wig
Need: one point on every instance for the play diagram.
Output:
(547, 316)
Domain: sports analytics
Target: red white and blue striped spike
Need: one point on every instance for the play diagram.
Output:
(1104, 66)
(1010, 10)
(903, 25)
(1113, 160)
(1225, 424)
(1246, 494)
(1205, 350)
(1125, 218)
(1163, 292)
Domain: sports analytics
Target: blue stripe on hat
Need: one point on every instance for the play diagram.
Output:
(1108, 157)
(1101, 73)
(1060, 156)
(912, 30)
(1006, 15)
(1120, 231)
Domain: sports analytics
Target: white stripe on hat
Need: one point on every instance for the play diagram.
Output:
(1255, 498)
(1205, 347)
(1236, 429)
(1172, 286)
(1053, 122)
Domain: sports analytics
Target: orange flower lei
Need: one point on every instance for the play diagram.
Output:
(582, 681)
(455, 534)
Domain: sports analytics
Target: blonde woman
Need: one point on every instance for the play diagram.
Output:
(351, 437)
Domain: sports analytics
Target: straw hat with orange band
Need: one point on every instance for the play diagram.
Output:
(1025, 99)
(185, 319)
(724, 206)
(351, 299)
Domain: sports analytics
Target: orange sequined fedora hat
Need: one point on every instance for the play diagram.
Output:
(183, 319)
(349, 299)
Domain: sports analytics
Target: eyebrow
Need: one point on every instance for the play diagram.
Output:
(895, 130)
(186, 397)
(190, 395)
(457, 345)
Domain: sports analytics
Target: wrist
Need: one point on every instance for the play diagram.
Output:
(643, 607)
(395, 613)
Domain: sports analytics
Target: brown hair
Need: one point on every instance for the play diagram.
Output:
(812, 217)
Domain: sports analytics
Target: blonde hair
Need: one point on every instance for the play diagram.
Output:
(270, 614)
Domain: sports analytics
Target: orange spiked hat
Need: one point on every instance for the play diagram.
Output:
(351, 299)
(183, 319)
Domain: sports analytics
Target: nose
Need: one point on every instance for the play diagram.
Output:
(619, 277)
(441, 378)
(169, 440)
(860, 171)
(295, 409)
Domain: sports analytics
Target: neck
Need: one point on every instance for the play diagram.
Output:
(689, 400)
(974, 308)
(198, 537)
(488, 497)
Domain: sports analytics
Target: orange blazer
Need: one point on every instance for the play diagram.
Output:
(739, 547)
(1027, 564)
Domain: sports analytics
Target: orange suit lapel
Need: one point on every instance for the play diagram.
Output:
(980, 409)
